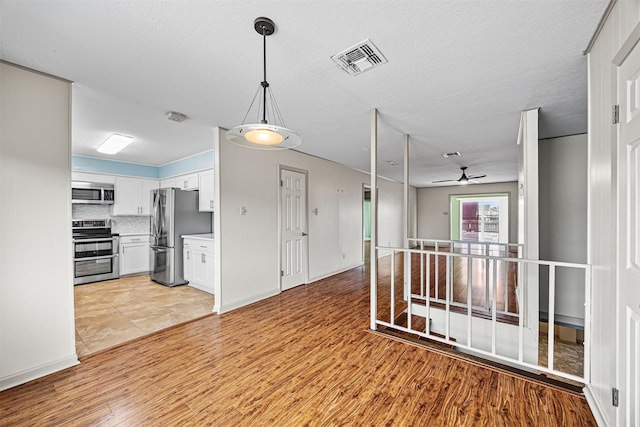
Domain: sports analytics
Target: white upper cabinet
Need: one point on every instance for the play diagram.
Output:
(187, 182)
(92, 177)
(183, 182)
(147, 186)
(205, 185)
(167, 182)
(133, 196)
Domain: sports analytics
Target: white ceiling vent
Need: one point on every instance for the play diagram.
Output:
(359, 58)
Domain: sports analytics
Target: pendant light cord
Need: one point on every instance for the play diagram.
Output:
(266, 92)
(265, 84)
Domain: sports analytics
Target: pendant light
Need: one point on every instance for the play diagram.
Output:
(269, 131)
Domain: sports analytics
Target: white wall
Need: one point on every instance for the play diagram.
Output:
(434, 204)
(563, 221)
(36, 281)
(248, 244)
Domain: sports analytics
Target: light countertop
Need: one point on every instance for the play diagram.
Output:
(208, 236)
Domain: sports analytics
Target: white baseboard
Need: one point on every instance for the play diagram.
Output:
(324, 276)
(596, 410)
(38, 372)
(245, 301)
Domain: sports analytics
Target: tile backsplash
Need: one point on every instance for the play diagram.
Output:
(119, 224)
(130, 224)
(81, 211)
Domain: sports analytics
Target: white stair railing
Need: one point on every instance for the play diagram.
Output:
(501, 335)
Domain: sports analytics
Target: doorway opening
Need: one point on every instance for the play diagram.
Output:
(480, 218)
(366, 223)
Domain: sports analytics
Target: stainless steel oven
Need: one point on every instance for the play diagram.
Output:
(95, 252)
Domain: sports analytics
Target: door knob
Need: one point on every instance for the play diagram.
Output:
(304, 234)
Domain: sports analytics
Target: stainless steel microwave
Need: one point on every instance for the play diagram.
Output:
(92, 193)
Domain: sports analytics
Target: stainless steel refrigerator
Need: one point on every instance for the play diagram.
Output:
(174, 213)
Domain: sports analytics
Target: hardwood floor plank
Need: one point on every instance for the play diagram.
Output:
(304, 357)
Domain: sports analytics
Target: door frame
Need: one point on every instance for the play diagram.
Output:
(365, 187)
(472, 196)
(305, 172)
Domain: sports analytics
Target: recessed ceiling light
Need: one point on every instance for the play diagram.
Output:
(452, 154)
(114, 143)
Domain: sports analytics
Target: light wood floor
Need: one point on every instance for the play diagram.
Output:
(304, 357)
(115, 311)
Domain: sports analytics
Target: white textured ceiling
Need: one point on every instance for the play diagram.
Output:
(459, 73)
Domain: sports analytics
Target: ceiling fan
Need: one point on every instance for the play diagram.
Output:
(464, 179)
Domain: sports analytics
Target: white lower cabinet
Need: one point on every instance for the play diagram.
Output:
(134, 254)
(198, 263)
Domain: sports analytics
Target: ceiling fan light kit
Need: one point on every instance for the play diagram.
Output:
(270, 133)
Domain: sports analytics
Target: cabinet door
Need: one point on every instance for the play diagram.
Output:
(127, 196)
(187, 182)
(205, 187)
(92, 177)
(169, 182)
(134, 258)
(199, 266)
(187, 262)
(145, 201)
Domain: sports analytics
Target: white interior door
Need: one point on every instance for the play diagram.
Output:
(629, 241)
(293, 202)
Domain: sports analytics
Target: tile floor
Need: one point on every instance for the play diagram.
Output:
(115, 311)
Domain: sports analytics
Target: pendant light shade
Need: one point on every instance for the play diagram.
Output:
(269, 131)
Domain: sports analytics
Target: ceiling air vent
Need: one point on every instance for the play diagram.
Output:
(359, 58)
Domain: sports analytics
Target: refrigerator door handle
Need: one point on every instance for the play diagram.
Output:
(154, 217)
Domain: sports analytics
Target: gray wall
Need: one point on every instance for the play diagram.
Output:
(563, 220)
(433, 208)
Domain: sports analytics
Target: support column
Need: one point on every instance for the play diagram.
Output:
(373, 258)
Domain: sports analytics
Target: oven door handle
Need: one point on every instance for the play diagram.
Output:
(160, 248)
(102, 239)
(95, 257)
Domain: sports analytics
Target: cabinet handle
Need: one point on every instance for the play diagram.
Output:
(211, 204)
(188, 255)
(203, 258)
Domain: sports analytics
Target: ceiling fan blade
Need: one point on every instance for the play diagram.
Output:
(443, 180)
(476, 176)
